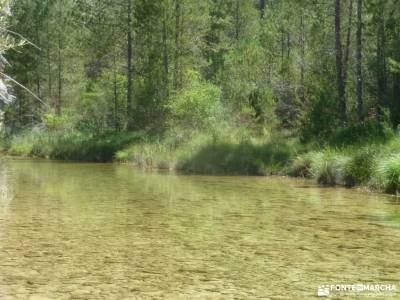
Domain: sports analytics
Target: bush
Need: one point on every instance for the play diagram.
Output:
(198, 106)
(21, 145)
(361, 133)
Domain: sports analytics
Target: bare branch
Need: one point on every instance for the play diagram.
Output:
(25, 88)
(22, 37)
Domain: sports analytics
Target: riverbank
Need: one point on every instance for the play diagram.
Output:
(373, 162)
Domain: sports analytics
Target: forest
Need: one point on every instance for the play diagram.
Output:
(291, 87)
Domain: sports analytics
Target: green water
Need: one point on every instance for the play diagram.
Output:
(102, 231)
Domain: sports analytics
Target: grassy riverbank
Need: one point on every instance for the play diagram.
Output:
(68, 145)
(373, 163)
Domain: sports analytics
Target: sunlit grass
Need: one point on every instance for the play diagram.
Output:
(225, 150)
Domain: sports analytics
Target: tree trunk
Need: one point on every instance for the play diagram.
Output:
(262, 8)
(302, 57)
(165, 56)
(129, 93)
(60, 58)
(38, 63)
(348, 42)
(359, 62)
(237, 19)
(177, 44)
(339, 63)
(48, 57)
(115, 86)
(116, 123)
(381, 62)
(181, 27)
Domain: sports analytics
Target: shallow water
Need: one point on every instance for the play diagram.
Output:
(103, 231)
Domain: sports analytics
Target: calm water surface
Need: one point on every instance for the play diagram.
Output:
(102, 231)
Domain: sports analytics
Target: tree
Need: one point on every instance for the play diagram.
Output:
(359, 75)
(129, 58)
(339, 61)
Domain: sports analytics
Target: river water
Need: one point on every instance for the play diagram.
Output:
(104, 231)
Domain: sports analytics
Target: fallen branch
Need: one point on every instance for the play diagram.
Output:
(25, 88)
(22, 37)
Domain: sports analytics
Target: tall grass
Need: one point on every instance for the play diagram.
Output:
(376, 165)
(229, 151)
(225, 150)
(69, 145)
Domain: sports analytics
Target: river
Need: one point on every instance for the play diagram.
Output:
(105, 231)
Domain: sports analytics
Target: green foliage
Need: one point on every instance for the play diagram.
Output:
(229, 151)
(321, 121)
(245, 85)
(360, 167)
(246, 157)
(92, 106)
(198, 106)
(301, 165)
(21, 145)
(361, 133)
(388, 174)
(376, 165)
(54, 122)
(206, 79)
(69, 145)
(394, 65)
(328, 167)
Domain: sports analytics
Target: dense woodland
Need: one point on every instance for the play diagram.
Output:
(131, 64)
(237, 86)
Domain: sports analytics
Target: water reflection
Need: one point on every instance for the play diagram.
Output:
(110, 232)
(5, 191)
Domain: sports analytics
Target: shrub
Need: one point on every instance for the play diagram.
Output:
(198, 106)
(21, 145)
(361, 133)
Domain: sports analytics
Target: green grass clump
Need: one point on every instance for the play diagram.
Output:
(152, 154)
(327, 167)
(387, 175)
(301, 165)
(360, 167)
